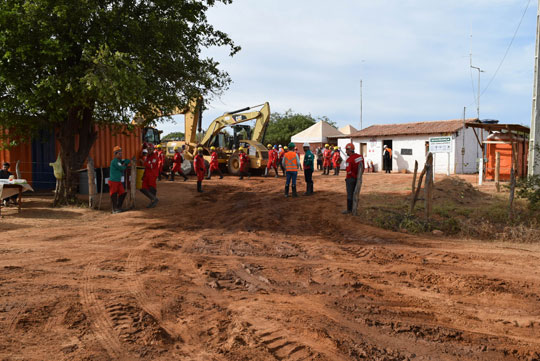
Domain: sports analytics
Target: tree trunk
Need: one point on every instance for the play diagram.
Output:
(76, 137)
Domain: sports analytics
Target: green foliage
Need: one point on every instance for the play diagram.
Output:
(529, 189)
(283, 126)
(173, 136)
(108, 59)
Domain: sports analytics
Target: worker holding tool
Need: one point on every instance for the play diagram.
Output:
(336, 160)
(178, 159)
(214, 164)
(244, 163)
(309, 167)
(272, 161)
(291, 163)
(200, 168)
(327, 157)
(116, 188)
(355, 167)
(151, 173)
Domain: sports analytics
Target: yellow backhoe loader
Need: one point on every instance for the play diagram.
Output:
(227, 133)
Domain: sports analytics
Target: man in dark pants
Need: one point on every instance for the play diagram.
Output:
(355, 165)
(387, 159)
(291, 163)
(309, 165)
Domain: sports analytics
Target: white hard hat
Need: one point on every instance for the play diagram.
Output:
(306, 145)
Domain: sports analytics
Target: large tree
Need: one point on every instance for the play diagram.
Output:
(69, 65)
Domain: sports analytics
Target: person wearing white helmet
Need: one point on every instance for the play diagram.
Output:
(309, 166)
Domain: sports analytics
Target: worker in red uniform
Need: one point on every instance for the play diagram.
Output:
(200, 168)
(282, 151)
(355, 167)
(272, 161)
(327, 157)
(161, 161)
(178, 159)
(336, 160)
(151, 173)
(214, 164)
(244, 163)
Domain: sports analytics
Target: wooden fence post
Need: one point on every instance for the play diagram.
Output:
(414, 184)
(428, 188)
(357, 189)
(497, 170)
(133, 182)
(92, 191)
(17, 171)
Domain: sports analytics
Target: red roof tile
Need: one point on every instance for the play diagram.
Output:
(432, 127)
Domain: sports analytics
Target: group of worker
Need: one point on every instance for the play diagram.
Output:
(287, 158)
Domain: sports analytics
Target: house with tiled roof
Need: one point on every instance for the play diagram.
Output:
(456, 146)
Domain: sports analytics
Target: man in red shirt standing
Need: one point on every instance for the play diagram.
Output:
(272, 161)
(161, 160)
(178, 159)
(244, 163)
(200, 168)
(327, 157)
(151, 172)
(336, 160)
(214, 164)
(355, 168)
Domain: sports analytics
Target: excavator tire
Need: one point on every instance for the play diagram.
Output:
(233, 165)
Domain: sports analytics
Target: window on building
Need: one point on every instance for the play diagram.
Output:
(406, 151)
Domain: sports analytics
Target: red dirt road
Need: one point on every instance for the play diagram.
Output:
(241, 273)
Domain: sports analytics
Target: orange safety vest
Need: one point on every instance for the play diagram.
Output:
(291, 164)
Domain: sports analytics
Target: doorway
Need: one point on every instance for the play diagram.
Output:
(388, 143)
(363, 149)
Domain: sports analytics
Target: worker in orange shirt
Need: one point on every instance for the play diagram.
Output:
(272, 160)
(336, 160)
(214, 164)
(151, 173)
(244, 163)
(327, 158)
(200, 168)
(291, 163)
(178, 159)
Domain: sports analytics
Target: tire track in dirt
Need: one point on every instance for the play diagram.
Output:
(136, 287)
(15, 316)
(102, 326)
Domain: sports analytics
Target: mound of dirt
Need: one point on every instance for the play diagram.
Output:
(456, 190)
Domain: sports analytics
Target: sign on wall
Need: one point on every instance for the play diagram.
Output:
(440, 144)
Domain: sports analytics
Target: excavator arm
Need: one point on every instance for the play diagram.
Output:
(262, 117)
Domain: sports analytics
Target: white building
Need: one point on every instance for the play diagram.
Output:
(456, 147)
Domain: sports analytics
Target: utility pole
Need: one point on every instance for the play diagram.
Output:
(534, 136)
(361, 102)
(479, 71)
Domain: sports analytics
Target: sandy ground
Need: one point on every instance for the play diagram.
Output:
(241, 273)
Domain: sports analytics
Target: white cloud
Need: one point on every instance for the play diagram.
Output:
(307, 55)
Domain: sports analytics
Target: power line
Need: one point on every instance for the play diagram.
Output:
(508, 48)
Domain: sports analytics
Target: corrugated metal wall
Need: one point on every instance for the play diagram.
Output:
(23, 153)
(36, 156)
(102, 152)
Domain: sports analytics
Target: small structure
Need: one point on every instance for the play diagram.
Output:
(453, 143)
(317, 136)
(511, 141)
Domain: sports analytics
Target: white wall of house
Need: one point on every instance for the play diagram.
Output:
(416, 144)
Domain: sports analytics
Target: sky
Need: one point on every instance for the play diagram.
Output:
(411, 55)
